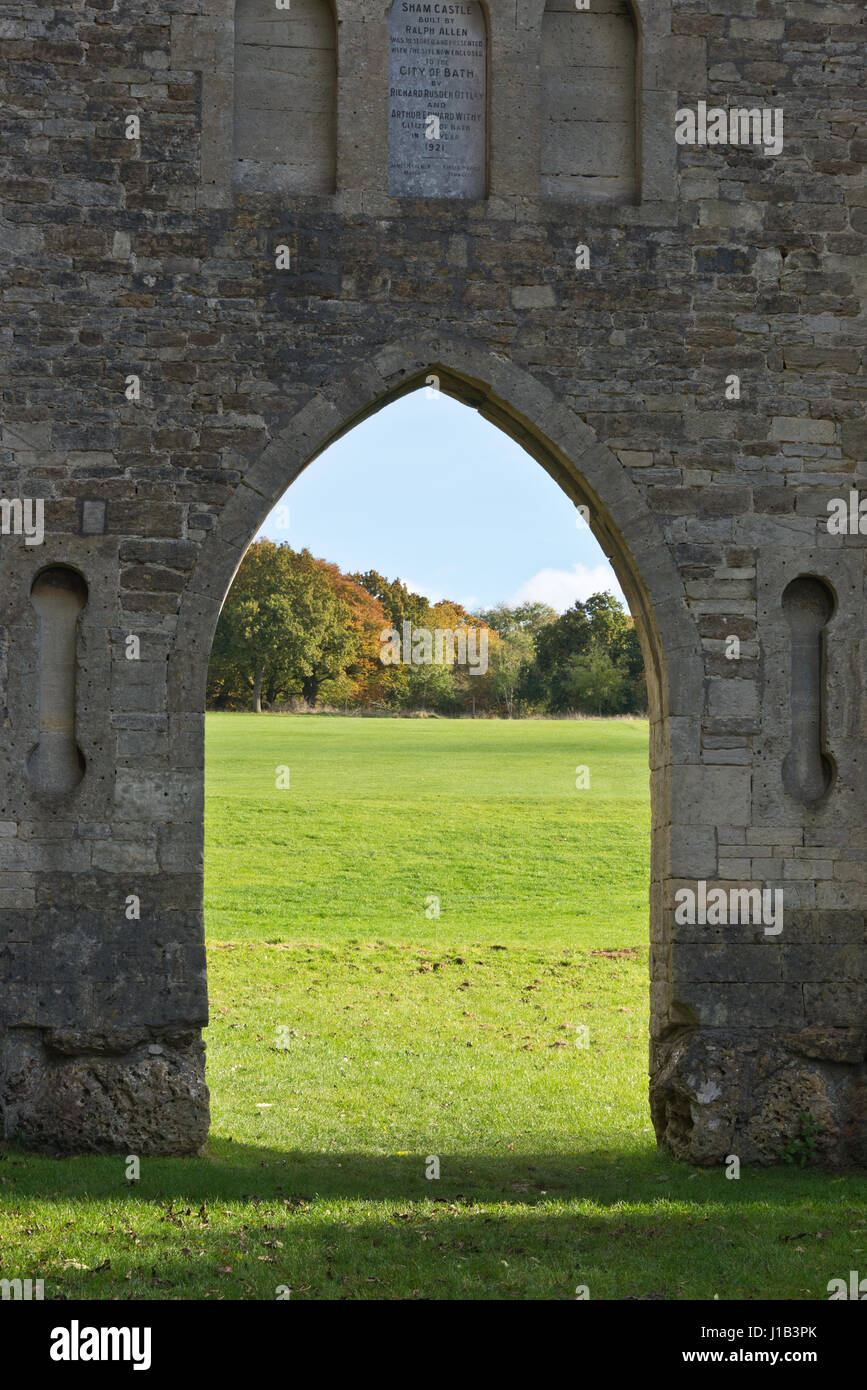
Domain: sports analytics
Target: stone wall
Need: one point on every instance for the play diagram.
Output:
(588, 101)
(163, 382)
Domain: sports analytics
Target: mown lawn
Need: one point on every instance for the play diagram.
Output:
(355, 1039)
(380, 814)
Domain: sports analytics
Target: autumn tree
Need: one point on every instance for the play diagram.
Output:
(283, 627)
(294, 624)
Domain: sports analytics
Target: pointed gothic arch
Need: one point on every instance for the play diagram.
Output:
(588, 471)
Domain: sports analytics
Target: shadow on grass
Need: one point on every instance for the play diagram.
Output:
(247, 1172)
(247, 1221)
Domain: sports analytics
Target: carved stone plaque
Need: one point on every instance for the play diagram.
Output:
(437, 100)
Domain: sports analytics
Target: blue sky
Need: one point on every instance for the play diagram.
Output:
(429, 492)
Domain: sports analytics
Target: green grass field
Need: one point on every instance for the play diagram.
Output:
(354, 1039)
(382, 813)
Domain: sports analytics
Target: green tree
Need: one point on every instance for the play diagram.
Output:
(327, 642)
(557, 645)
(588, 659)
(510, 659)
(399, 604)
(526, 617)
(255, 628)
(595, 684)
(283, 629)
(429, 684)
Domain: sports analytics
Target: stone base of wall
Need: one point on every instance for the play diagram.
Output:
(716, 1092)
(123, 1092)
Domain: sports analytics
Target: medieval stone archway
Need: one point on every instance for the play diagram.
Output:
(693, 377)
(590, 474)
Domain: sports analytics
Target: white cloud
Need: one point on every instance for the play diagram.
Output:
(562, 588)
(432, 595)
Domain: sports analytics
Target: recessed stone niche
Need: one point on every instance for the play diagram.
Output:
(808, 605)
(285, 127)
(56, 764)
(588, 102)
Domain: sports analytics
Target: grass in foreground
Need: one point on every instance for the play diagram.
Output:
(315, 1178)
(341, 1062)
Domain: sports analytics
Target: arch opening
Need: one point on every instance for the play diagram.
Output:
(288, 457)
(590, 474)
(808, 771)
(511, 411)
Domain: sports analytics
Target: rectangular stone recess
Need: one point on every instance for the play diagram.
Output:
(285, 132)
(437, 67)
(588, 102)
(55, 766)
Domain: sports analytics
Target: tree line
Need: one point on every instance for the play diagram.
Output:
(296, 630)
